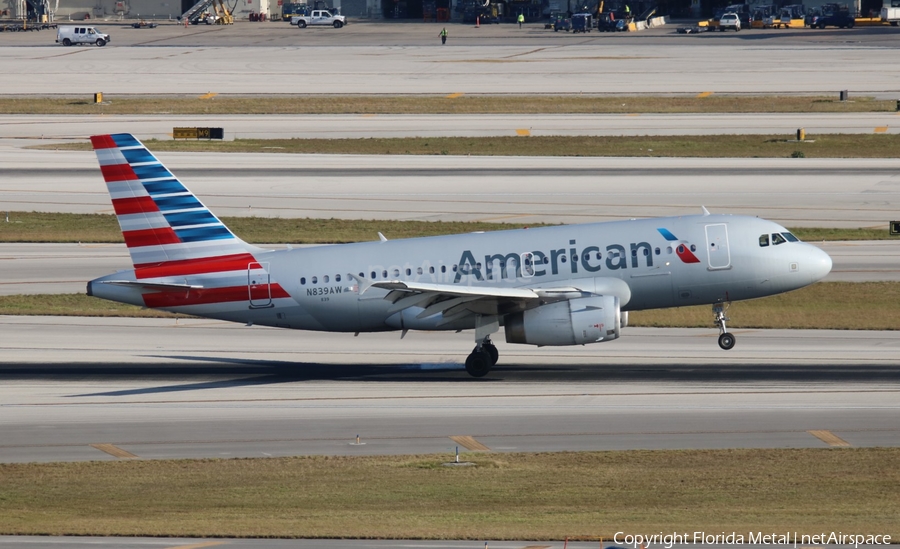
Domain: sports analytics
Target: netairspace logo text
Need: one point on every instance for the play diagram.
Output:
(758, 538)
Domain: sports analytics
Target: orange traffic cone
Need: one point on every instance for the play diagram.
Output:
(477, 21)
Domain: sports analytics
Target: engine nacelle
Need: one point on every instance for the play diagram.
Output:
(572, 322)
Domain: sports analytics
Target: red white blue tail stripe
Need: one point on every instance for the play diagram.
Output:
(183, 255)
(162, 222)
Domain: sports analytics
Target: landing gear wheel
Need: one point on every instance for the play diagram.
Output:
(492, 351)
(478, 364)
(726, 341)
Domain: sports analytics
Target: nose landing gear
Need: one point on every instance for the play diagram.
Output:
(726, 340)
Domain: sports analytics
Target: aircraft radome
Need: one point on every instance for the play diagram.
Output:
(564, 285)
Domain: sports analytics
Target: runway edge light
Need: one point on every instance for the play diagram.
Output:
(895, 228)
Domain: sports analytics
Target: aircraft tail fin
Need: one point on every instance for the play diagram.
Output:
(162, 222)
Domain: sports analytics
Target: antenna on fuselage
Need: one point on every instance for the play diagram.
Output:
(705, 211)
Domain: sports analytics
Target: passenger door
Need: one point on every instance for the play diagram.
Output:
(717, 247)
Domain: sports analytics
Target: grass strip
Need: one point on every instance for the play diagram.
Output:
(504, 496)
(104, 228)
(883, 145)
(436, 104)
(862, 306)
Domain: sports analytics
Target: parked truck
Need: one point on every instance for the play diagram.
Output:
(319, 18)
(890, 12)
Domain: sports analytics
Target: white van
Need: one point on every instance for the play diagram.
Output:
(80, 35)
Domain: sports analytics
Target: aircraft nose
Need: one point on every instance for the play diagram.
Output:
(819, 263)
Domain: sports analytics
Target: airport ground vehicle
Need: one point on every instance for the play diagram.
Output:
(831, 15)
(890, 12)
(319, 18)
(69, 35)
(559, 21)
(290, 9)
(729, 21)
(582, 22)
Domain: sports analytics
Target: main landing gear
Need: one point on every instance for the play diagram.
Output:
(726, 340)
(482, 358)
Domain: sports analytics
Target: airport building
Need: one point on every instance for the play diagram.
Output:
(428, 10)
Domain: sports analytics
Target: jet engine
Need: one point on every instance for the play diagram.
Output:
(571, 322)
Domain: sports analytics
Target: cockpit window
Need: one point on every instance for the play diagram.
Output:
(778, 239)
(790, 237)
(763, 240)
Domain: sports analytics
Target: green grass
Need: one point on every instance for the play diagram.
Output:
(103, 228)
(505, 496)
(436, 104)
(861, 306)
(701, 146)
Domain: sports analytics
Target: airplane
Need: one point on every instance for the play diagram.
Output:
(560, 285)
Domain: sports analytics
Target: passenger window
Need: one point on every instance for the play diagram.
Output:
(657, 251)
(790, 237)
(302, 280)
(599, 256)
(777, 239)
(315, 280)
(419, 270)
(337, 278)
(693, 248)
(408, 272)
(396, 273)
(325, 279)
(383, 274)
(763, 240)
(431, 270)
(443, 268)
(374, 275)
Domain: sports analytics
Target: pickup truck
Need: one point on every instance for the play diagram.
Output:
(319, 18)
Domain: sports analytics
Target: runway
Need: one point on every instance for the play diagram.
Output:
(520, 190)
(189, 389)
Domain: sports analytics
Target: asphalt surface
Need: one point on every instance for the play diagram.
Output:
(519, 190)
(407, 58)
(193, 388)
(53, 542)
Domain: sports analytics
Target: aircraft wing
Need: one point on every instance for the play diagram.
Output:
(456, 302)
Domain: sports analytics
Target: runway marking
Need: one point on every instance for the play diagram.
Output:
(701, 95)
(829, 438)
(523, 132)
(456, 95)
(537, 547)
(209, 95)
(114, 451)
(199, 545)
(470, 443)
(881, 129)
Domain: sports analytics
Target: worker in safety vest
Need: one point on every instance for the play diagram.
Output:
(521, 19)
(444, 35)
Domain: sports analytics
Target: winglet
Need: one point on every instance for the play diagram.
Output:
(705, 211)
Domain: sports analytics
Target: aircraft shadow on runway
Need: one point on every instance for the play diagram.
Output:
(263, 372)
